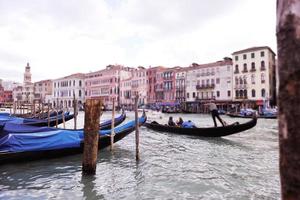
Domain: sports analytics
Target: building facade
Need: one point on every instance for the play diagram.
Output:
(42, 89)
(254, 77)
(66, 88)
(105, 84)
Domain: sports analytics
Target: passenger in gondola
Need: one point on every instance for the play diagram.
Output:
(171, 122)
(188, 124)
(179, 121)
(214, 113)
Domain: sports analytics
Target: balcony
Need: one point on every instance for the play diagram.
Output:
(262, 68)
(253, 69)
(203, 87)
(245, 71)
(242, 98)
(205, 98)
(241, 87)
(236, 71)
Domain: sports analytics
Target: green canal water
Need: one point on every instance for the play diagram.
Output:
(241, 166)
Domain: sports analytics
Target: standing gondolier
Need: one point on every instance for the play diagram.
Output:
(214, 113)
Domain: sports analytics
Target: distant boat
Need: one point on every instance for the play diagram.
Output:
(204, 132)
(237, 115)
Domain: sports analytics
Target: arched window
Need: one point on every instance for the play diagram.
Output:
(262, 65)
(253, 93)
(253, 66)
(262, 78)
(241, 80)
(237, 93)
(245, 67)
(245, 79)
(80, 93)
(236, 80)
(253, 78)
(241, 93)
(236, 68)
(80, 83)
(245, 93)
(263, 92)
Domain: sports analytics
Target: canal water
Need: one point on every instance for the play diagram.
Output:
(241, 166)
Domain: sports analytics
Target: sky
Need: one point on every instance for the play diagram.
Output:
(59, 38)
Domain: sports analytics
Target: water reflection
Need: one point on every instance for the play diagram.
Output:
(88, 187)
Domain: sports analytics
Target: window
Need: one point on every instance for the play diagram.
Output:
(187, 95)
(245, 56)
(253, 78)
(263, 92)
(79, 93)
(218, 81)
(212, 81)
(236, 93)
(262, 54)
(236, 58)
(253, 93)
(236, 80)
(245, 93)
(263, 78)
(74, 83)
(79, 83)
(252, 55)
(245, 67)
(194, 95)
(236, 69)
(262, 64)
(245, 79)
(218, 93)
(252, 66)
(228, 93)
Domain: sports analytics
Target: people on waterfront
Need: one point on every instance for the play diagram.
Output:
(188, 124)
(179, 121)
(214, 113)
(171, 122)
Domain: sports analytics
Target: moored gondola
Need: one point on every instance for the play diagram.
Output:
(16, 147)
(204, 132)
(236, 115)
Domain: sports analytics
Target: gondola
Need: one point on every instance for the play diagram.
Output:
(235, 115)
(204, 132)
(36, 122)
(16, 147)
(9, 127)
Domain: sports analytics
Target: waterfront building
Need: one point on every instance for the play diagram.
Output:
(25, 93)
(254, 77)
(206, 82)
(155, 87)
(139, 84)
(126, 98)
(66, 88)
(106, 84)
(42, 89)
(180, 87)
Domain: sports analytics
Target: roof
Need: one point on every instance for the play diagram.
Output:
(77, 75)
(253, 49)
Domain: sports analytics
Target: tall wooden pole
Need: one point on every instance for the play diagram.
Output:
(75, 111)
(112, 134)
(91, 135)
(56, 124)
(63, 118)
(288, 42)
(137, 132)
(33, 108)
(48, 109)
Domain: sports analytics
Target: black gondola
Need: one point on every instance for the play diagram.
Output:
(204, 132)
(9, 155)
(235, 115)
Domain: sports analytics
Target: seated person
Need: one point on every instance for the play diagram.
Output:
(188, 124)
(179, 122)
(171, 122)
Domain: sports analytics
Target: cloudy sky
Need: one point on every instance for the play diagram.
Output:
(59, 38)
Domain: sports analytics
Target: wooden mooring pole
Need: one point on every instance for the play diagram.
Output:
(91, 134)
(288, 42)
(75, 111)
(48, 109)
(112, 134)
(137, 131)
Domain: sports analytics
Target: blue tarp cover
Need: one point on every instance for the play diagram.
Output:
(54, 139)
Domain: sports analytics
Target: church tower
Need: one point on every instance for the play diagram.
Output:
(27, 75)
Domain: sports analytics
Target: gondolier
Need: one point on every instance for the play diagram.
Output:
(215, 114)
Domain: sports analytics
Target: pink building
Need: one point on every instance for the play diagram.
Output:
(106, 84)
(42, 89)
(155, 85)
(126, 100)
(139, 84)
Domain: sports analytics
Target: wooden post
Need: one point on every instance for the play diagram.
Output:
(112, 134)
(75, 111)
(137, 132)
(91, 135)
(56, 119)
(14, 107)
(63, 118)
(42, 110)
(288, 42)
(33, 108)
(48, 109)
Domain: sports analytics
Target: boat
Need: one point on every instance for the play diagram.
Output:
(204, 132)
(10, 127)
(237, 115)
(17, 147)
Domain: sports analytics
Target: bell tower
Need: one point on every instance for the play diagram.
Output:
(27, 75)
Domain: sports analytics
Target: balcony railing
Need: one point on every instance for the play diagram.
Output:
(205, 98)
(243, 97)
(242, 86)
(245, 71)
(262, 68)
(252, 69)
(236, 71)
(208, 86)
